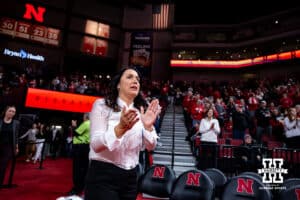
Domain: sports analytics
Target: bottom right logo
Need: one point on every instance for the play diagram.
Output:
(272, 170)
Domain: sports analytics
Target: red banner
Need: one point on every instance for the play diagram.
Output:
(53, 36)
(39, 34)
(23, 30)
(46, 99)
(8, 26)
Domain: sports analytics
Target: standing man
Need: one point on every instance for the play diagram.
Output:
(81, 140)
(263, 116)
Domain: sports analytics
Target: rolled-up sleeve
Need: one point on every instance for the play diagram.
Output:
(102, 135)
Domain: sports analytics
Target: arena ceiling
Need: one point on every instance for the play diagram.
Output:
(228, 12)
(216, 11)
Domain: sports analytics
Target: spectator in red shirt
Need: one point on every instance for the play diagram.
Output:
(285, 102)
(253, 104)
(276, 122)
(197, 111)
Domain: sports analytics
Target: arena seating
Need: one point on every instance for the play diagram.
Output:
(219, 179)
(193, 184)
(244, 187)
(157, 181)
(291, 193)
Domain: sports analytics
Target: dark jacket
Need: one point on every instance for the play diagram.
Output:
(240, 121)
(16, 129)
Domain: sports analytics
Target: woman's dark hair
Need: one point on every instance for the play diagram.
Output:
(112, 95)
(206, 112)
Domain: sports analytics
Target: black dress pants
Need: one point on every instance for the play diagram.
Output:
(80, 166)
(6, 155)
(107, 181)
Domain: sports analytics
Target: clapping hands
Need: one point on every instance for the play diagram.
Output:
(148, 118)
(130, 116)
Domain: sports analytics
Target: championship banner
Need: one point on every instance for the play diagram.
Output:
(141, 49)
(29, 31)
(23, 30)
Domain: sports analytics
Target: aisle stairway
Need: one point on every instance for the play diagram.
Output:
(172, 149)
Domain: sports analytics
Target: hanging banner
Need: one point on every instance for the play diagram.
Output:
(29, 31)
(141, 49)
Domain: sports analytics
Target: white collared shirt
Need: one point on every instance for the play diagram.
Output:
(208, 134)
(105, 146)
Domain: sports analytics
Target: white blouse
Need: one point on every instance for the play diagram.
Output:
(207, 134)
(105, 146)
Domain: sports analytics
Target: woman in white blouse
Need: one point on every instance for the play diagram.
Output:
(209, 130)
(119, 127)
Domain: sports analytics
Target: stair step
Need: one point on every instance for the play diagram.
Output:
(174, 132)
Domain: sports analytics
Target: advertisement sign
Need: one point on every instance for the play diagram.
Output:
(23, 54)
(52, 100)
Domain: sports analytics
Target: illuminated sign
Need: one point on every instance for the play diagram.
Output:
(52, 100)
(235, 63)
(29, 31)
(23, 54)
(31, 12)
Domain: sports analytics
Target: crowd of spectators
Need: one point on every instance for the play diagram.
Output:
(266, 109)
(262, 108)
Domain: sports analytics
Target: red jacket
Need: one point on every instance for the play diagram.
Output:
(197, 111)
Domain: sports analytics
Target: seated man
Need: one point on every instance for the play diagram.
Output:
(248, 154)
